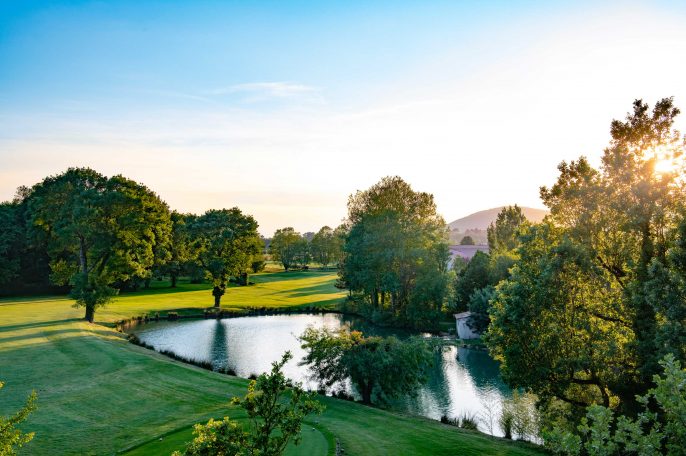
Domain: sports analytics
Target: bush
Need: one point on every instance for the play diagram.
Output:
(464, 421)
(276, 409)
(659, 429)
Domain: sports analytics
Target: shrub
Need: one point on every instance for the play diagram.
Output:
(659, 429)
(275, 409)
(12, 438)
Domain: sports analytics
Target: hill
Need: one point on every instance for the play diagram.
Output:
(480, 220)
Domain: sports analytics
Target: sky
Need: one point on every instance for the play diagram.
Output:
(284, 108)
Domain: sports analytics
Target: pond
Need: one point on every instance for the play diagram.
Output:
(462, 381)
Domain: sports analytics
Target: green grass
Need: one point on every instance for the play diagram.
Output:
(313, 442)
(99, 394)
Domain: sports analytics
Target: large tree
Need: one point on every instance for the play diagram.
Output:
(325, 246)
(503, 232)
(286, 246)
(225, 242)
(594, 301)
(396, 253)
(179, 247)
(98, 230)
(379, 368)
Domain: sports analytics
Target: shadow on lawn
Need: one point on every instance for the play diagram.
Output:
(41, 324)
(52, 333)
(322, 288)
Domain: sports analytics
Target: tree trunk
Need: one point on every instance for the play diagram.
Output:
(147, 283)
(90, 313)
(366, 393)
(173, 280)
(217, 299)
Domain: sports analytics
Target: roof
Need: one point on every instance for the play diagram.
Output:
(462, 315)
(467, 251)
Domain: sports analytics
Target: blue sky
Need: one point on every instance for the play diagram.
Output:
(285, 108)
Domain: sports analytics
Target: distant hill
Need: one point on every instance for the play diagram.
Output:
(480, 220)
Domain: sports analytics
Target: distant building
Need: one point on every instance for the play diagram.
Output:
(466, 252)
(463, 329)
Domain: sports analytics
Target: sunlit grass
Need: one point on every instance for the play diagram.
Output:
(99, 394)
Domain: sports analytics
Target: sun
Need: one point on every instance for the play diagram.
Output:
(665, 166)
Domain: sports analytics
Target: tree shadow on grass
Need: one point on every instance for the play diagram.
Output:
(322, 288)
(52, 333)
(37, 325)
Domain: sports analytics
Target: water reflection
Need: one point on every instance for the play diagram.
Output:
(461, 381)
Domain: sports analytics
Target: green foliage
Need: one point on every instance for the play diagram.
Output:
(467, 240)
(475, 276)
(601, 433)
(479, 306)
(327, 246)
(396, 254)
(596, 296)
(181, 253)
(11, 438)
(11, 234)
(504, 232)
(379, 368)
(289, 248)
(98, 230)
(519, 418)
(225, 242)
(276, 409)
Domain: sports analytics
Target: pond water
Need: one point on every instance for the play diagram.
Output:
(462, 381)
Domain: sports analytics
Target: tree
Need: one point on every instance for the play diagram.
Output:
(285, 247)
(276, 409)
(326, 246)
(225, 242)
(396, 254)
(479, 306)
(659, 428)
(12, 438)
(11, 234)
(98, 231)
(302, 256)
(467, 240)
(502, 234)
(600, 280)
(180, 251)
(379, 368)
(474, 276)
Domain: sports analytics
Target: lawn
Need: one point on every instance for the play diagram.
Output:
(99, 394)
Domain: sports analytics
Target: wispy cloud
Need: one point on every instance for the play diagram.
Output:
(267, 90)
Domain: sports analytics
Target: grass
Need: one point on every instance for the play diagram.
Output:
(99, 394)
(313, 442)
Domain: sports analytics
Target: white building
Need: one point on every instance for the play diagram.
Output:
(463, 329)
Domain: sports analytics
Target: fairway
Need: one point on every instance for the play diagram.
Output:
(99, 394)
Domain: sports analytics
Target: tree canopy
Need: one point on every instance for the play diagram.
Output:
(98, 231)
(225, 241)
(596, 297)
(379, 368)
(396, 254)
(288, 247)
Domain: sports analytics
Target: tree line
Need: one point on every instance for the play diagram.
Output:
(94, 235)
(295, 250)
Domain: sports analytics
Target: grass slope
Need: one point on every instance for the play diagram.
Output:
(98, 394)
